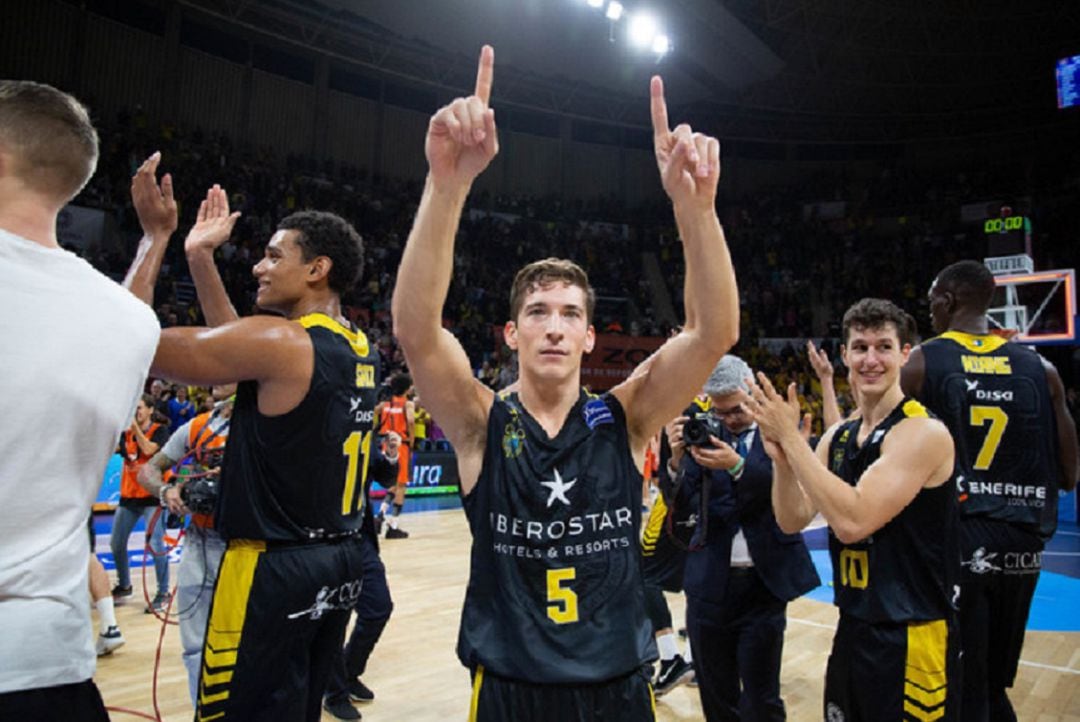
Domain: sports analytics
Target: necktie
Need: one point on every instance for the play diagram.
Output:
(741, 445)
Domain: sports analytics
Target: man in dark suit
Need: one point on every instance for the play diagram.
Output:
(742, 570)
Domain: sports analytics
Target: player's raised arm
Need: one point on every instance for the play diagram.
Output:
(664, 384)
(461, 141)
(156, 208)
(213, 226)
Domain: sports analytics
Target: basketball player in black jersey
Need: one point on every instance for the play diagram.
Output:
(1016, 446)
(554, 623)
(882, 482)
(291, 499)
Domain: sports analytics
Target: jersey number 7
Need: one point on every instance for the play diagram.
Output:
(998, 421)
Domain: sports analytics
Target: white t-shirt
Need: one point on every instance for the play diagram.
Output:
(76, 350)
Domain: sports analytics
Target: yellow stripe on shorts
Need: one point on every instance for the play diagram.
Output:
(474, 705)
(925, 683)
(227, 612)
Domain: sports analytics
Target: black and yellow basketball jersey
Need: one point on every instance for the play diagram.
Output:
(555, 592)
(301, 475)
(994, 397)
(906, 569)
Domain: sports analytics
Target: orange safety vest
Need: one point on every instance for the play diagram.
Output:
(199, 442)
(134, 459)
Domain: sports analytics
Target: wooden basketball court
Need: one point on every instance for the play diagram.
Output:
(416, 676)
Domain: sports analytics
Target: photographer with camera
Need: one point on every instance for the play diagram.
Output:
(196, 449)
(741, 570)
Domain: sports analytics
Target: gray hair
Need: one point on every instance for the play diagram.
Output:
(729, 376)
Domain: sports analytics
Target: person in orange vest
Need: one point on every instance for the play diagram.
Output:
(140, 442)
(195, 450)
(397, 415)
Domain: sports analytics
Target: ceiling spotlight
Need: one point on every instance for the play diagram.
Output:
(642, 30)
(614, 11)
(661, 44)
(596, 3)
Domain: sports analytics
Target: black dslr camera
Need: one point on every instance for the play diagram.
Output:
(200, 494)
(696, 431)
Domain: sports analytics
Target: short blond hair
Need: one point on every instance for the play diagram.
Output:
(544, 273)
(50, 137)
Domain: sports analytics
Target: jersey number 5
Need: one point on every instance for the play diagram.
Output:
(356, 447)
(998, 420)
(563, 607)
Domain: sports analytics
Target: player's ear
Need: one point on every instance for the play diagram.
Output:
(320, 268)
(590, 338)
(510, 335)
(843, 354)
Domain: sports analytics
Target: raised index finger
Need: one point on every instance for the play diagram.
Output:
(658, 107)
(485, 73)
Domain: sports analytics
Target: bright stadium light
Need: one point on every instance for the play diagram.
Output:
(596, 3)
(642, 30)
(661, 44)
(614, 11)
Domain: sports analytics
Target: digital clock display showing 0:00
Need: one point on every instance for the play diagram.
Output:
(1004, 225)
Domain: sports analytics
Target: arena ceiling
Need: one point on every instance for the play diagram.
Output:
(816, 70)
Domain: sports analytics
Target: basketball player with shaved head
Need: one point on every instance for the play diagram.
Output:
(1016, 446)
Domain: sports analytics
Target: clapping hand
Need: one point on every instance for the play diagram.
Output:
(154, 204)
(213, 224)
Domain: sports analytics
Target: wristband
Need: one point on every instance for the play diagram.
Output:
(161, 493)
(736, 470)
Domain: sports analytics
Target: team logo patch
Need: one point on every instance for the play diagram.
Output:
(327, 600)
(833, 713)
(513, 441)
(596, 412)
(981, 562)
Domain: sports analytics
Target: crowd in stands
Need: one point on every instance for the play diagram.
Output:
(798, 268)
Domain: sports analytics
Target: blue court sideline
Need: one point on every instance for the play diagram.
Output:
(1056, 596)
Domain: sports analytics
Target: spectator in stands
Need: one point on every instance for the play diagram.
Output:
(181, 408)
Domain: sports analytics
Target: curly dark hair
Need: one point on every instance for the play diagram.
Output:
(330, 235)
(874, 313)
(400, 384)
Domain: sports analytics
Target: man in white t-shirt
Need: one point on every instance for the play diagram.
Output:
(77, 348)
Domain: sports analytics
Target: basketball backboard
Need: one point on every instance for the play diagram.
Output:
(1039, 307)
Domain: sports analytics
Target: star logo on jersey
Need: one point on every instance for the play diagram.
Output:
(558, 489)
(972, 385)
